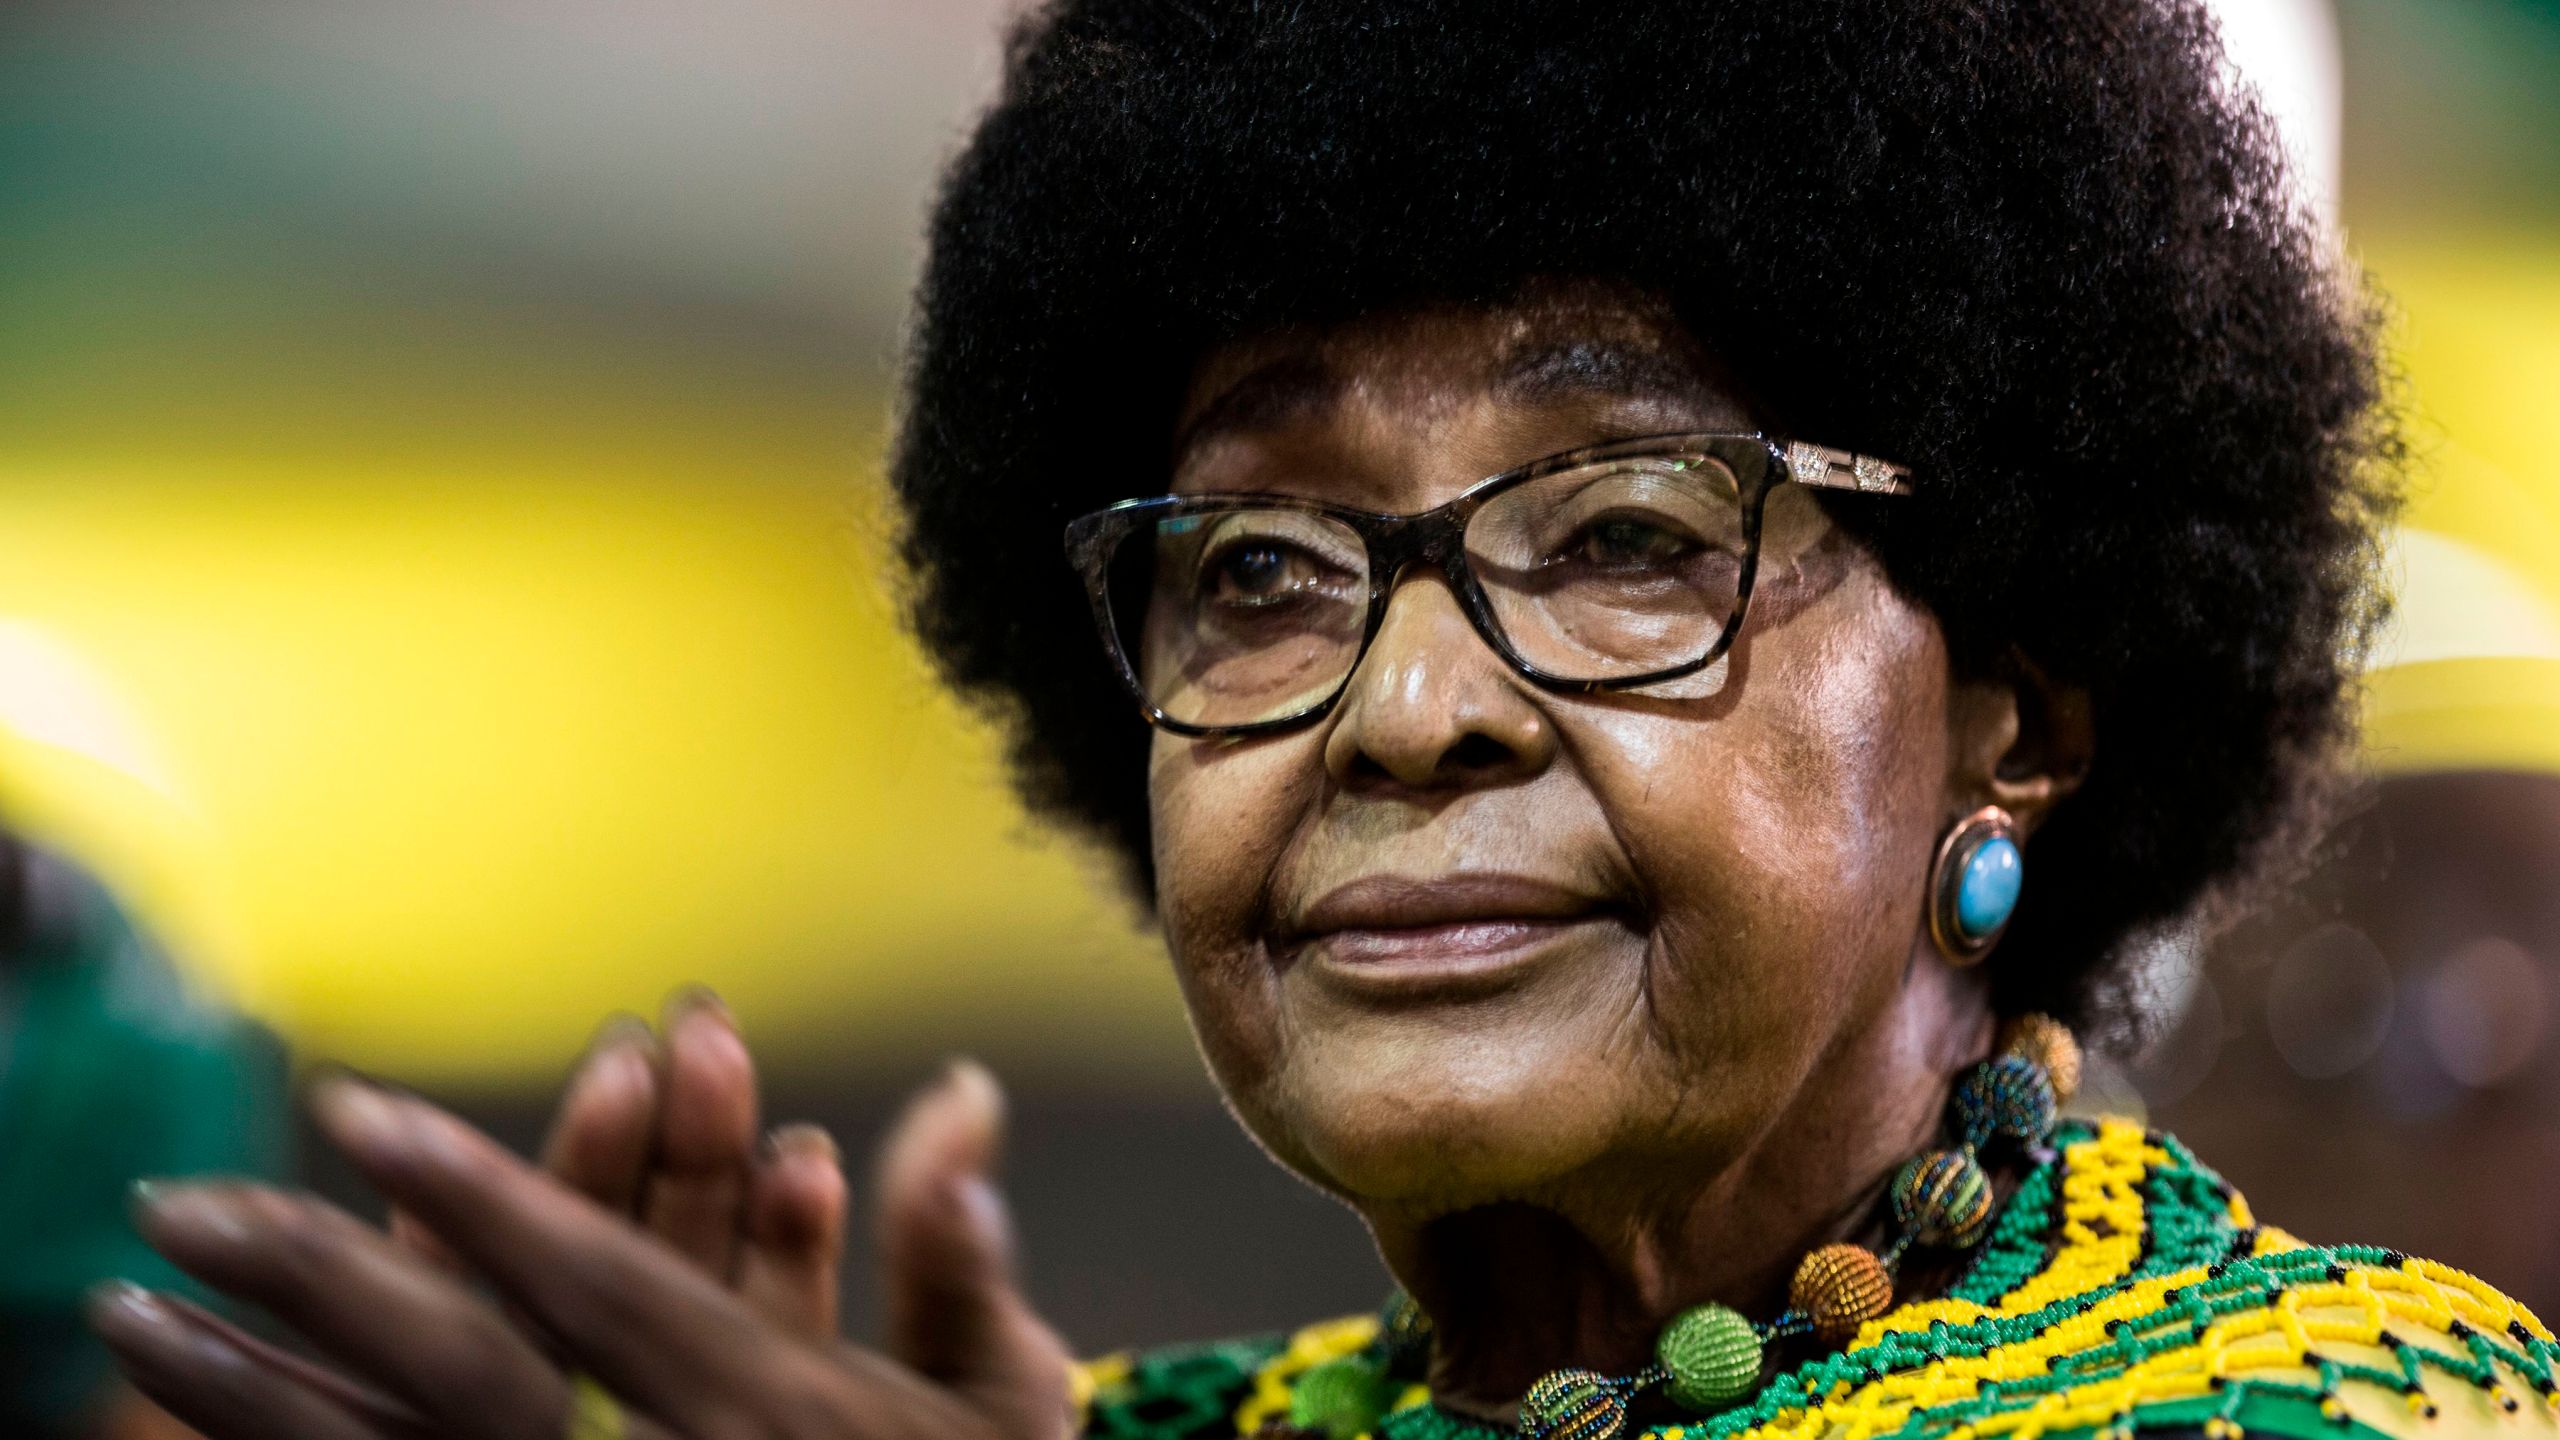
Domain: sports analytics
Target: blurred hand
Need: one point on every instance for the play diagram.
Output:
(410, 1349)
(662, 1129)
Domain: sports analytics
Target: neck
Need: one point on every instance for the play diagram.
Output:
(1587, 1272)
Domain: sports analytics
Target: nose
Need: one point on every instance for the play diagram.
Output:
(1431, 706)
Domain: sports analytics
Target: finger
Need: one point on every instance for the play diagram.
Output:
(420, 1241)
(371, 1404)
(795, 1233)
(706, 1138)
(955, 1313)
(385, 1417)
(404, 1325)
(646, 1322)
(599, 1142)
(216, 1380)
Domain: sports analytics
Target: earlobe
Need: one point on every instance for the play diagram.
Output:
(2019, 744)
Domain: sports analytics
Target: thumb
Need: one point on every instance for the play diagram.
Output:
(954, 1312)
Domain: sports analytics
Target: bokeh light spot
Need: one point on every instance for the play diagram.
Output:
(2485, 1010)
(2329, 1001)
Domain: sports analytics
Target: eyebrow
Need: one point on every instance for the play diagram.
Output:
(1265, 398)
(1297, 387)
(1601, 367)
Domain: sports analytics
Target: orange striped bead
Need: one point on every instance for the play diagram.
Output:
(2049, 1043)
(1839, 1288)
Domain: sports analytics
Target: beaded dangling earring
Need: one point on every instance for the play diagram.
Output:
(1974, 884)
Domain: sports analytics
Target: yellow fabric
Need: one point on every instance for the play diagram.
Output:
(593, 1412)
(1329, 1340)
(2102, 1223)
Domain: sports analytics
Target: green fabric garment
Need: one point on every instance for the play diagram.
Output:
(110, 1071)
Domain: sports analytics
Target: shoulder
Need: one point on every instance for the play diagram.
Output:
(2128, 1288)
(2125, 1288)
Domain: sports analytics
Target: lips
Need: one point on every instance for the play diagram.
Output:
(1464, 921)
(1391, 902)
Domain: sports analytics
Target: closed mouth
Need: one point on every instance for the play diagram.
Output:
(1404, 932)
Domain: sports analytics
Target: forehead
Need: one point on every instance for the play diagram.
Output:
(1555, 346)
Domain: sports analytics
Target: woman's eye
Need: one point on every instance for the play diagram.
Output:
(1259, 573)
(1624, 541)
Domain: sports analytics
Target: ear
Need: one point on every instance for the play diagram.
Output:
(2017, 740)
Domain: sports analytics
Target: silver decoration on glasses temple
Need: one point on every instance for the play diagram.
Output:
(1807, 463)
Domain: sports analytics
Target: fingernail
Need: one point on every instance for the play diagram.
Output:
(360, 1117)
(690, 1000)
(122, 1304)
(622, 1055)
(169, 1207)
(708, 1035)
(623, 1031)
(800, 1138)
(624, 1068)
(981, 1208)
(190, 1218)
(145, 1329)
(963, 1075)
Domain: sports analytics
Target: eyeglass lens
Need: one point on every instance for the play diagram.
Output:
(1607, 571)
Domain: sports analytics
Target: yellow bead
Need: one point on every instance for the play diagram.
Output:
(2049, 1043)
(1839, 1288)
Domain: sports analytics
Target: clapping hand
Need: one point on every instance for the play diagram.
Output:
(660, 1275)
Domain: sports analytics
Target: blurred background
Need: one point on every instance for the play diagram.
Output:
(442, 597)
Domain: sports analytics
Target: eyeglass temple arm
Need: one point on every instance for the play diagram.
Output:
(1825, 468)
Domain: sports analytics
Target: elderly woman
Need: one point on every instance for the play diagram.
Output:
(1616, 531)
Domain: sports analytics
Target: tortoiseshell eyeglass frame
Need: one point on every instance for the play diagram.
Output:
(1437, 538)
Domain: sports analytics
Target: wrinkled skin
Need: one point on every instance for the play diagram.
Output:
(1695, 1048)
(1710, 1073)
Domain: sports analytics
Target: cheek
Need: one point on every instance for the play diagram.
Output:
(1787, 841)
(1223, 814)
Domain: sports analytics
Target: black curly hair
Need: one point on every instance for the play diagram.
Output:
(2034, 248)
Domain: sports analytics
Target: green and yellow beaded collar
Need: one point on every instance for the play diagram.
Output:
(1710, 1357)
(2124, 1287)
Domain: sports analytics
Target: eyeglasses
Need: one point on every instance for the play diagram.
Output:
(1623, 566)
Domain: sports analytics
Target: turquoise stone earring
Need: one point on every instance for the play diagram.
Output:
(1974, 885)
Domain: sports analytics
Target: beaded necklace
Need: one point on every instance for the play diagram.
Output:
(1710, 1356)
(2124, 1287)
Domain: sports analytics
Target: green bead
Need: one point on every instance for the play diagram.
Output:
(1573, 1405)
(1713, 1356)
(1341, 1398)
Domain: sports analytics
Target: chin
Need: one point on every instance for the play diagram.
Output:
(1430, 1120)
